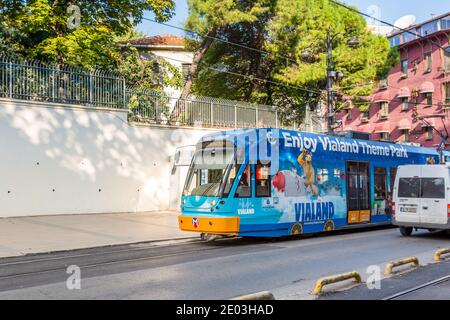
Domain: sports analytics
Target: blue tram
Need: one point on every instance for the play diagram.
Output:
(272, 182)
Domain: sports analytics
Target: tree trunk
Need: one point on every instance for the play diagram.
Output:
(193, 71)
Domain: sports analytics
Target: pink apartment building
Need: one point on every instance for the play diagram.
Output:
(418, 87)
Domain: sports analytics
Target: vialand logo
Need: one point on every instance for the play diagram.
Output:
(246, 211)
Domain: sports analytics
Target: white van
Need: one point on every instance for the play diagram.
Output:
(422, 198)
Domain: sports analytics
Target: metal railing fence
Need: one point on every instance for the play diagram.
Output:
(36, 81)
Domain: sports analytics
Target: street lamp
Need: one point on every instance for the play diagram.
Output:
(333, 75)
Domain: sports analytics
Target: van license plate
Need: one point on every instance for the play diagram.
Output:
(408, 209)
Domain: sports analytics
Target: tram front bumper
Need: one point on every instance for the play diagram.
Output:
(213, 225)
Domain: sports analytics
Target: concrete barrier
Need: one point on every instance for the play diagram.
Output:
(263, 295)
(393, 264)
(334, 279)
(440, 252)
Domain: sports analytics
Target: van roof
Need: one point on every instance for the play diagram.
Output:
(409, 166)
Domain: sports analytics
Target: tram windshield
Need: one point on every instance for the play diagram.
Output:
(208, 171)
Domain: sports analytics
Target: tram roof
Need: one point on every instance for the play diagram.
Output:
(242, 133)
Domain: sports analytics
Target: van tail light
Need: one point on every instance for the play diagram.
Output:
(448, 210)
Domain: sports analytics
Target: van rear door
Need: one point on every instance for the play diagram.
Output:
(433, 207)
(408, 198)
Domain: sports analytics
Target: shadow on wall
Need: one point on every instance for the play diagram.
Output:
(61, 160)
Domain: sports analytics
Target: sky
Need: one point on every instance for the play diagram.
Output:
(387, 10)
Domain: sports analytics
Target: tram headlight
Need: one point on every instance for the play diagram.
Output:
(184, 201)
(213, 203)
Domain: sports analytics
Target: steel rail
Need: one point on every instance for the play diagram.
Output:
(417, 288)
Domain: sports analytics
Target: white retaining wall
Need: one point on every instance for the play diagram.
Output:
(60, 159)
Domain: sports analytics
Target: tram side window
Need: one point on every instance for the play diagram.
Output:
(244, 189)
(230, 179)
(380, 179)
(262, 179)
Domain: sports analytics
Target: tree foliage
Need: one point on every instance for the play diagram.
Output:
(39, 28)
(294, 33)
(209, 18)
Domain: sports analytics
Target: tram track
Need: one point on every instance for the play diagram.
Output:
(110, 259)
(418, 288)
(83, 255)
(187, 269)
(56, 264)
(84, 266)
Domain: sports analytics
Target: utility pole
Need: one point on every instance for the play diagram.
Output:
(330, 110)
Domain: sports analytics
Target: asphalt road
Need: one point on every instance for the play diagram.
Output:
(219, 270)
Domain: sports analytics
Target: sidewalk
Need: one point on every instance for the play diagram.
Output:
(24, 235)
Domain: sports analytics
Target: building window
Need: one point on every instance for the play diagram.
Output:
(395, 41)
(185, 67)
(365, 116)
(384, 136)
(384, 109)
(408, 36)
(447, 95)
(157, 69)
(416, 64)
(405, 135)
(405, 68)
(349, 114)
(428, 62)
(445, 23)
(262, 179)
(429, 133)
(447, 59)
(429, 99)
(429, 28)
(405, 104)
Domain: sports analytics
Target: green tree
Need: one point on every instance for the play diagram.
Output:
(210, 18)
(294, 33)
(39, 28)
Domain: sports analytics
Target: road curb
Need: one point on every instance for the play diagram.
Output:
(393, 264)
(263, 295)
(439, 253)
(320, 283)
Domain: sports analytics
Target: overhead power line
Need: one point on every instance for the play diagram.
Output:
(249, 76)
(241, 46)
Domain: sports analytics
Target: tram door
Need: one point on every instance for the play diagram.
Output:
(358, 188)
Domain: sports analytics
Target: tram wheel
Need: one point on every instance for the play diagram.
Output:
(296, 229)
(208, 237)
(328, 226)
